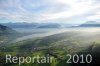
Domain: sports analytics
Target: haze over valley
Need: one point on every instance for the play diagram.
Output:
(67, 30)
(55, 41)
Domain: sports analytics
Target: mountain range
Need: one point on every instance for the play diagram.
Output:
(32, 25)
(36, 25)
(90, 24)
(50, 25)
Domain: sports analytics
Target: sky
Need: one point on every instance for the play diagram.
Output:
(59, 11)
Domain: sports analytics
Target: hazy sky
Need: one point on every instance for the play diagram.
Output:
(68, 11)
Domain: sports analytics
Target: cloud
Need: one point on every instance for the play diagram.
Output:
(94, 17)
(50, 10)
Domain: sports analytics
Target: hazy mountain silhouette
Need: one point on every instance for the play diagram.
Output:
(90, 24)
(6, 30)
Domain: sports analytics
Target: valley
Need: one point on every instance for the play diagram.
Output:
(55, 42)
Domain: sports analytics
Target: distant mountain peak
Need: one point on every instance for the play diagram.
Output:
(90, 24)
